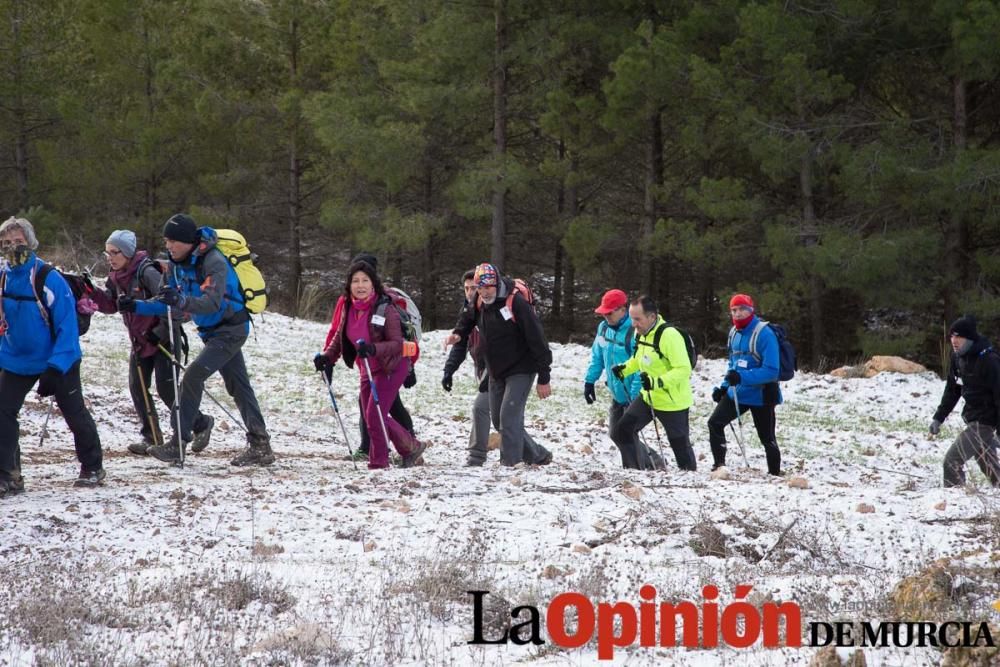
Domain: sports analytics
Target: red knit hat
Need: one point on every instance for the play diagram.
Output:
(741, 300)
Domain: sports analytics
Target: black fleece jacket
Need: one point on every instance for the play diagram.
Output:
(974, 376)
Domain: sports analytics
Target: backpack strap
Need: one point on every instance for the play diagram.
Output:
(753, 339)
(630, 340)
(38, 284)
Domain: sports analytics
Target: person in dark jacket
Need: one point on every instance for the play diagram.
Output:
(201, 282)
(376, 343)
(39, 342)
(398, 410)
(974, 374)
(515, 350)
(134, 273)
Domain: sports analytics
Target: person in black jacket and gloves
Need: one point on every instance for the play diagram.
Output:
(974, 374)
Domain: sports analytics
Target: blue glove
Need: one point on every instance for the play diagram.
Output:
(733, 377)
(171, 298)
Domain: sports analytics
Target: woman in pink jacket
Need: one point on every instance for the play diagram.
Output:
(374, 335)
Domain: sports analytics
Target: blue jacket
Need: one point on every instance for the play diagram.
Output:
(27, 348)
(754, 374)
(609, 350)
(210, 287)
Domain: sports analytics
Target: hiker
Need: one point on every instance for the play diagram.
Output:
(750, 382)
(515, 350)
(134, 273)
(201, 282)
(40, 341)
(398, 410)
(614, 344)
(973, 374)
(378, 349)
(661, 361)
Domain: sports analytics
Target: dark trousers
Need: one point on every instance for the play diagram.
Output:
(508, 398)
(69, 398)
(141, 371)
(223, 353)
(637, 416)
(979, 442)
(763, 421)
(398, 412)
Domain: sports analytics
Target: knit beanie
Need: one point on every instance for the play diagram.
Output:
(181, 227)
(965, 326)
(124, 240)
(741, 300)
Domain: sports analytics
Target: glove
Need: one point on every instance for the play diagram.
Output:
(411, 378)
(619, 371)
(733, 377)
(321, 362)
(647, 382)
(588, 392)
(446, 382)
(151, 337)
(126, 304)
(935, 427)
(718, 393)
(171, 298)
(49, 382)
(365, 350)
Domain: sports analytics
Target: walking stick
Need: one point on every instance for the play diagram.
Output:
(45, 426)
(154, 428)
(371, 383)
(739, 420)
(656, 427)
(177, 388)
(177, 364)
(336, 411)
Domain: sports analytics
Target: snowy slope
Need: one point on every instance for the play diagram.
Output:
(313, 562)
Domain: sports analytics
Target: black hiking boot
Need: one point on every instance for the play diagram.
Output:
(168, 452)
(258, 451)
(11, 486)
(141, 448)
(201, 437)
(411, 459)
(90, 478)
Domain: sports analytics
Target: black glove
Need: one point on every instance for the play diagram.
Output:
(365, 350)
(49, 382)
(619, 371)
(718, 393)
(126, 304)
(411, 378)
(321, 362)
(733, 377)
(647, 382)
(588, 392)
(446, 382)
(935, 427)
(151, 337)
(170, 297)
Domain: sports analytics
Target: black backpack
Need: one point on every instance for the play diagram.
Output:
(689, 346)
(79, 284)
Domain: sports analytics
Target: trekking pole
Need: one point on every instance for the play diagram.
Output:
(177, 364)
(739, 420)
(336, 411)
(378, 406)
(154, 428)
(45, 426)
(177, 387)
(656, 427)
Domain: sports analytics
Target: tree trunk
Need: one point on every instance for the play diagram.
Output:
(294, 179)
(151, 186)
(957, 239)
(573, 209)
(653, 181)
(428, 285)
(811, 238)
(557, 282)
(499, 228)
(20, 113)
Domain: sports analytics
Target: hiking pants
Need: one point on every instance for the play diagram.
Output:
(978, 441)
(69, 398)
(398, 412)
(508, 397)
(763, 421)
(479, 439)
(615, 412)
(387, 388)
(637, 416)
(141, 372)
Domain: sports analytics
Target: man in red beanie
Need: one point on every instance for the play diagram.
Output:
(751, 382)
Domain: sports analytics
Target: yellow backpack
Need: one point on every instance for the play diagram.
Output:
(255, 293)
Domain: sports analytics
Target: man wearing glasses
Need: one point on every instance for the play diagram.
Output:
(750, 383)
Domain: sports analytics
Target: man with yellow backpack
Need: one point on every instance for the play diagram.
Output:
(663, 360)
(208, 283)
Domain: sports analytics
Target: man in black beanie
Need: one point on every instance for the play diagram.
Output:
(974, 374)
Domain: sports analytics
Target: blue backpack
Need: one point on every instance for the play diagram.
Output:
(787, 361)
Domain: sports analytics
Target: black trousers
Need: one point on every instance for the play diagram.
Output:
(625, 435)
(398, 412)
(141, 372)
(763, 421)
(69, 398)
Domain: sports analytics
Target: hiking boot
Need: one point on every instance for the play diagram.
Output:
(258, 451)
(141, 448)
(474, 462)
(656, 461)
(90, 478)
(360, 455)
(545, 460)
(11, 487)
(415, 454)
(200, 441)
(168, 452)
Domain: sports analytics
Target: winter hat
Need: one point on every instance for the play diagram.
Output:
(965, 327)
(181, 227)
(124, 240)
(486, 275)
(367, 258)
(612, 300)
(741, 300)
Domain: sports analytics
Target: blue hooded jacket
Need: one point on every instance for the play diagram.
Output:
(211, 289)
(27, 347)
(754, 374)
(609, 350)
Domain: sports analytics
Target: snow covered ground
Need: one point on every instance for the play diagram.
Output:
(310, 561)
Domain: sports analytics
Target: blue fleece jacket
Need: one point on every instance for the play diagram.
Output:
(754, 374)
(609, 350)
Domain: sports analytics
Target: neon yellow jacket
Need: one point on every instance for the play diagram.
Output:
(668, 367)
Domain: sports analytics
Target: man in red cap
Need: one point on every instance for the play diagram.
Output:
(750, 383)
(613, 345)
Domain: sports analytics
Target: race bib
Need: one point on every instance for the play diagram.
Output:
(378, 320)
(742, 363)
(505, 311)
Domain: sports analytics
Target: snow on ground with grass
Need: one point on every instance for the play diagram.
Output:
(310, 561)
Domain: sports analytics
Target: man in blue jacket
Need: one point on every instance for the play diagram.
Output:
(751, 382)
(202, 283)
(613, 345)
(40, 342)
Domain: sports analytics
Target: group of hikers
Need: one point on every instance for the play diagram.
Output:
(646, 362)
